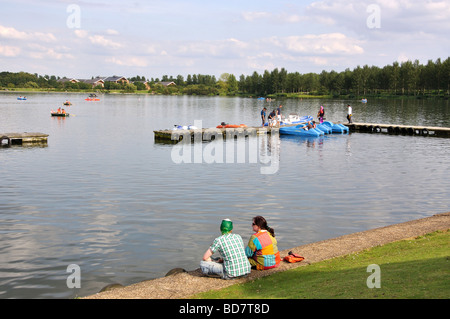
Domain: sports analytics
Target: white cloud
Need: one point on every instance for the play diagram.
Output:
(252, 16)
(9, 51)
(129, 61)
(269, 17)
(12, 33)
(102, 41)
(329, 44)
(81, 33)
(112, 32)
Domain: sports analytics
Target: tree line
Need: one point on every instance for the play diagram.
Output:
(405, 78)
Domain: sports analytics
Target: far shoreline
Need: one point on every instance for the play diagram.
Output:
(273, 97)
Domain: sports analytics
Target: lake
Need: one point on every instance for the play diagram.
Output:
(104, 196)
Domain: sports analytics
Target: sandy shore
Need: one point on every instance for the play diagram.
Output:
(185, 284)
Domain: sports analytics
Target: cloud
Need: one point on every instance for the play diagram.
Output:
(129, 61)
(9, 51)
(282, 17)
(81, 33)
(322, 44)
(252, 16)
(102, 41)
(397, 16)
(12, 33)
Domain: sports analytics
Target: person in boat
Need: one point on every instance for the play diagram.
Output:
(59, 110)
(321, 114)
(233, 262)
(272, 118)
(262, 250)
(349, 114)
(263, 116)
(63, 111)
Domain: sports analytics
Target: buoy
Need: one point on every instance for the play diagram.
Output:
(8, 140)
(377, 129)
(424, 132)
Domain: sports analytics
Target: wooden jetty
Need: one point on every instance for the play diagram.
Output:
(209, 134)
(8, 139)
(399, 129)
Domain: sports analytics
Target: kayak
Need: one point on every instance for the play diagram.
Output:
(59, 114)
(22, 98)
(231, 126)
(91, 99)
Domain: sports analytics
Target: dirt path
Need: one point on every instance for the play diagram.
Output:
(185, 284)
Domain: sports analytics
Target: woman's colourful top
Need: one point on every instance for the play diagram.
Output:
(262, 250)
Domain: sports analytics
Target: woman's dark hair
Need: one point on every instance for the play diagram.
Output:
(262, 223)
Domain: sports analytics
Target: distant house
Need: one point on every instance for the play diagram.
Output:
(146, 84)
(95, 82)
(116, 79)
(71, 80)
(167, 83)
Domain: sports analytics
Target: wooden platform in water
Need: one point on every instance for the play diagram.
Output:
(399, 129)
(8, 139)
(208, 134)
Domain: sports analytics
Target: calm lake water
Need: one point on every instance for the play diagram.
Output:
(104, 196)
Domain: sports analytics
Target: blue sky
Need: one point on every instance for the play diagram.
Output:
(82, 39)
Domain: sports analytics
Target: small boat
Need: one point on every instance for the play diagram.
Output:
(301, 130)
(67, 103)
(324, 128)
(92, 97)
(294, 119)
(336, 128)
(364, 100)
(60, 114)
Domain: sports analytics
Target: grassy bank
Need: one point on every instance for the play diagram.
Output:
(416, 268)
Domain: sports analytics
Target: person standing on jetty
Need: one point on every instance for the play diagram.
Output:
(321, 114)
(263, 116)
(279, 114)
(262, 250)
(233, 262)
(349, 114)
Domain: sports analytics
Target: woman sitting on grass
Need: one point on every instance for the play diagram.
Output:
(262, 250)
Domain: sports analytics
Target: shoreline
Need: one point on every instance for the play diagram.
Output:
(184, 284)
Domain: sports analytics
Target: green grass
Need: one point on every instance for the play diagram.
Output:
(416, 268)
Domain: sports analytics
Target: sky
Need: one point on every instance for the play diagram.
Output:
(84, 39)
